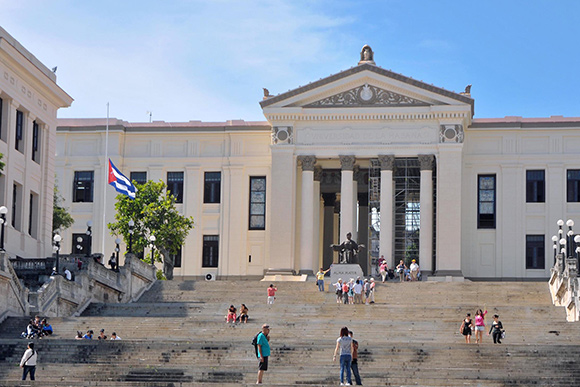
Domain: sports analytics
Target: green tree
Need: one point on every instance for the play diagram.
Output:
(153, 212)
(61, 219)
(1, 163)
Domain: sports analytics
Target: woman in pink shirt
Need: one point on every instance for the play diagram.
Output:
(479, 325)
(271, 294)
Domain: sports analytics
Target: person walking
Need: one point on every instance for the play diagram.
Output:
(344, 347)
(271, 294)
(383, 270)
(496, 329)
(263, 351)
(354, 364)
(479, 325)
(28, 362)
(320, 279)
(465, 328)
(373, 290)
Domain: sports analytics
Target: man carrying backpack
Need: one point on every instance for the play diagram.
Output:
(263, 351)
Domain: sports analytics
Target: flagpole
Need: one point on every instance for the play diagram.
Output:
(105, 184)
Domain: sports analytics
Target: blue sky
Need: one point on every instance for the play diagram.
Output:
(208, 60)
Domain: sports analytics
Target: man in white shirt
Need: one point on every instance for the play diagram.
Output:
(414, 268)
(114, 336)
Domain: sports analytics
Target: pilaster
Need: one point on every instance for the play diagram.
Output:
(426, 214)
(386, 210)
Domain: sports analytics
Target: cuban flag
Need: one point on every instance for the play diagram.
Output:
(120, 181)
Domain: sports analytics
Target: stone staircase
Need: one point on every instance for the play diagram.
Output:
(176, 336)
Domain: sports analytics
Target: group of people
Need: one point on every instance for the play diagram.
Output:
(469, 326)
(101, 336)
(233, 317)
(37, 329)
(355, 292)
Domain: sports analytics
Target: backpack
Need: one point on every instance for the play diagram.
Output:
(255, 343)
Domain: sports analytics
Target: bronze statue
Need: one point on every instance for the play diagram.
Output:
(348, 250)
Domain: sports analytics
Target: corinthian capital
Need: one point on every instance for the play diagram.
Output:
(347, 162)
(426, 162)
(387, 162)
(307, 162)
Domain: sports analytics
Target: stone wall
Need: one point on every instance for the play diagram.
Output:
(13, 296)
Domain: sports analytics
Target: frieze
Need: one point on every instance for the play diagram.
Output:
(367, 95)
(348, 136)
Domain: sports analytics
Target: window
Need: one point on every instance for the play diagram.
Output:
(210, 250)
(83, 187)
(35, 141)
(535, 258)
(175, 185)
(33, 215)
(486, 201)
(258, 203)
(139, 177)
(19, 130)
(535, 186)
(573, 185)
(176, 258)
(212, 187)
(14, 204)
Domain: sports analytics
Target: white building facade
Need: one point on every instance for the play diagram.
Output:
(29, 100)
(400, 164)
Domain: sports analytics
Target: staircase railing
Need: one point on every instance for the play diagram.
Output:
(15, 302)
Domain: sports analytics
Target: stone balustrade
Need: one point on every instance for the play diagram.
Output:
(59, 297)
(564, 286)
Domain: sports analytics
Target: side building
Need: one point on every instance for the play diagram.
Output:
(29, 100)
(401, 164)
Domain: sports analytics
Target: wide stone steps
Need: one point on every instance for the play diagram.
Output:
(176, 336)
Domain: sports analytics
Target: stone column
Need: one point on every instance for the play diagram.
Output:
(307, 215)
(355, 177)
(426, 214)
(328, 233)
(347, 197)
(316, 221)
(281, 225)
(363, 231)
(386, 210)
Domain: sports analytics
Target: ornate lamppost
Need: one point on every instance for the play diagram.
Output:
(3, 212)
(79, 243)
(57, 238)
(131, 225)
(117, 249)
(152, 240)
(89, 237)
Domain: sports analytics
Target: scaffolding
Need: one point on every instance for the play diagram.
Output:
(374, 214)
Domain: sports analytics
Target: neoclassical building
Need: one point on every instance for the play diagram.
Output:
(29, 100)
(399, 163)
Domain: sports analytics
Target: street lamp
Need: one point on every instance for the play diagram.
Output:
(152, 240)
(3, 212)
(79, 243)
(555, 240)
(89, 237)
(570, 237)
(57, 238)
(577, 241)
(131, 225)
(117, 249)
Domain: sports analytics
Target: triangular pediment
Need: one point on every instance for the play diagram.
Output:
(366, 95)
(365, 86)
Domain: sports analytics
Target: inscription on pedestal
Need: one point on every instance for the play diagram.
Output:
(346, 271)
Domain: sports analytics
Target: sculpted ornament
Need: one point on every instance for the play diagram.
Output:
(366, 95)
(347, 162)
(451, 133)
(317, 173)
(307, 162)
(387, 162)
(366, 55)
(426, 162)
(282, 135)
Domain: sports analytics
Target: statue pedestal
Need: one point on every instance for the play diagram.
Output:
(346, 271)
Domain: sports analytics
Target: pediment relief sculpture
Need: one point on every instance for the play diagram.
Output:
(367, 95)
